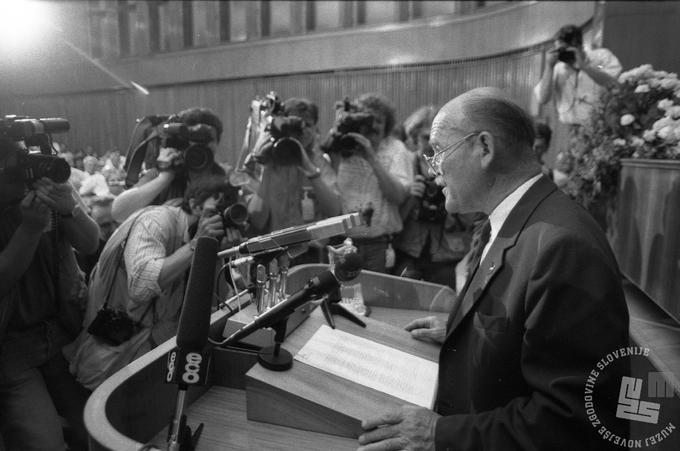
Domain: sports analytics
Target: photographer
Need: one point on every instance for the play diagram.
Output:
(278, 203)
(41, 222)
(573, 76)
(169, 177)
(141, 274)
(432, 240)
(374, 170)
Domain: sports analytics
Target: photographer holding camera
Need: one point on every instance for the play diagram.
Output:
(179, 157)
(137, 288)
(288, 150)
(374, 171)
(573, 76)
(41, 223)
(433, 240)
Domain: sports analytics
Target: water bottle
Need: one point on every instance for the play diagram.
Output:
(307, 205)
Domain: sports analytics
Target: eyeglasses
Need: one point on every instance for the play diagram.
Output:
(436, 159)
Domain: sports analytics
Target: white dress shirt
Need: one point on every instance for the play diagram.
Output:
(502, 210)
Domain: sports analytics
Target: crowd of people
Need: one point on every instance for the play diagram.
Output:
(429, 189)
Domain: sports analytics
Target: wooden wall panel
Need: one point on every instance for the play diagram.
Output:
(106, 119)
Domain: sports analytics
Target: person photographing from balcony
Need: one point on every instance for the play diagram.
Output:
(573, 76)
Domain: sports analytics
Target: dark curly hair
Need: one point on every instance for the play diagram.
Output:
(199, 115)
(380, 103)
(206, 187)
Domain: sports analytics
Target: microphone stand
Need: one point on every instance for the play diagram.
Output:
(180, 437)
(330, 306)
(276, 358)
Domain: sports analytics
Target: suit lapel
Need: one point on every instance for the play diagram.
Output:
(495, 257)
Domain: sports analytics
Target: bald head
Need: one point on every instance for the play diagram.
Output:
(490, 109)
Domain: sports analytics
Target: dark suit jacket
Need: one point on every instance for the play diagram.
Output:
(543, 308)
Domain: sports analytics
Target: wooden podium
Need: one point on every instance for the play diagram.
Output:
(245, 406)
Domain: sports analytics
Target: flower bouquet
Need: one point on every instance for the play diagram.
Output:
(639, 118)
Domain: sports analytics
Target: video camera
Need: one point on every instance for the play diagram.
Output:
(192, 141)
(285, 133)
(349, 119)
(20, 165)
(156, 131)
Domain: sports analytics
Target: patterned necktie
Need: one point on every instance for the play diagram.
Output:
(480, 237)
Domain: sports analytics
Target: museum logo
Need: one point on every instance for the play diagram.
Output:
(632, 405)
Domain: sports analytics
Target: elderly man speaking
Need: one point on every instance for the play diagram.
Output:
(539, 311)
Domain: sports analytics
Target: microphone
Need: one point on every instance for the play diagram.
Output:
(345, 270)
(188, 364)
(337, 225)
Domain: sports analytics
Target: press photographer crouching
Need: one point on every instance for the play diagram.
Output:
(137, 287)
(374, 170)
(297, 183)
(175, 151)
(433, 240)
(41, 287)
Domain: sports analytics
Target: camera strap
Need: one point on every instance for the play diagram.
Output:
(115, 274)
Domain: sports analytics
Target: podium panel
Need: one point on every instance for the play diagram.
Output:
(308, 398)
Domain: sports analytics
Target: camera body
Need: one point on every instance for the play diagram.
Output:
(22, 166)
(192, 142)
(432, 205)
(285, 133)
(566, 56)
(112, 327)
(349, 119)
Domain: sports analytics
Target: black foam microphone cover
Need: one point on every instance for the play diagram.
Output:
(348, 266)
(194, 321)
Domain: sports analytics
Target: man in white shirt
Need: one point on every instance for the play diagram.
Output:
(543, 302)
(574, 76)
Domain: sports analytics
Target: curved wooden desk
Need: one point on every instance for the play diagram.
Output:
(134, 406)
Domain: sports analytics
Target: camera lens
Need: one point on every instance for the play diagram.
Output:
(36, 166)
(197, 157)
(235, 215)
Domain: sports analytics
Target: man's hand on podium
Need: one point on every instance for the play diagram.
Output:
(410, 428)
(429, 327)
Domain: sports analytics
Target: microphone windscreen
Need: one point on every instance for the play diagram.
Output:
(194, 321)
(348, 266)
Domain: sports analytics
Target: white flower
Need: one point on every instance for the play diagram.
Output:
(661, 123)
(649, 135)
(642, 88)
(673, 112)
(619, 142)
(669, 83)
(665, 132)
(664, 104)
(627, 119)
(636, 141)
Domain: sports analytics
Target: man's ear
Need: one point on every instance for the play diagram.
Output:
(486, 141)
